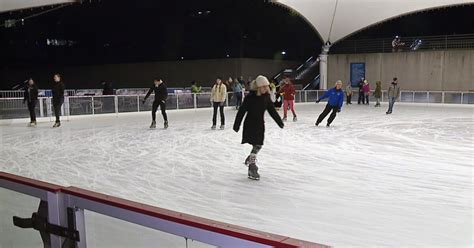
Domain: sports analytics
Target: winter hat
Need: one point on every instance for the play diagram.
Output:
(261, 81)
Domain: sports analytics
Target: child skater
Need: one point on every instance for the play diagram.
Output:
(254, 106)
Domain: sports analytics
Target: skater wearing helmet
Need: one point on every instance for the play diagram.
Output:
(288, 92)
(255, 104)
(336, 99)
(161, 94)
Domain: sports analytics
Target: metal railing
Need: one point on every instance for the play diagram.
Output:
(465, 41)
(11, 108)
(65, 213)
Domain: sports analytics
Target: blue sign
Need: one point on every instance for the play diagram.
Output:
(357, 72)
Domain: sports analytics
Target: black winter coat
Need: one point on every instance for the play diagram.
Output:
(58, 92)
(161, 92)
(31, 95)
(254, 124)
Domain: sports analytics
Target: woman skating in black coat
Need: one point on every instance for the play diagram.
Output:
(255, 105)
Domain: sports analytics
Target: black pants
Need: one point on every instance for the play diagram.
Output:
(31, 108)
(326, 112)
(349, 98)
(57, 108)
(219, 105)
(162, 106)
(367, 99)
(361, 98)
(238, 97)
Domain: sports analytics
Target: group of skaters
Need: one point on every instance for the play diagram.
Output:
(262, 97)
(364, 92)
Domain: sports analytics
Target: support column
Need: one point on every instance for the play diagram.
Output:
(323, 71)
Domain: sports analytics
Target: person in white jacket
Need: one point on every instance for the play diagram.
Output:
(218, 97)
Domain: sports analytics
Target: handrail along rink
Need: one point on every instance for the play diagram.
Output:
(62, 200)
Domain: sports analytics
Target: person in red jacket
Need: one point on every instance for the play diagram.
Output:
(288, 92)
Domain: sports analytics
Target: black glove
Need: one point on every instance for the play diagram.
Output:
(317, 101)
(338, 110)
(281, 125)
(143, 102)
(236, 129)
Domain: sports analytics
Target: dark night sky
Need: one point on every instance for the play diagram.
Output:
(116, 31)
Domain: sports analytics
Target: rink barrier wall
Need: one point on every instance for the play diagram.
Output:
(60, 200)
(13, 108)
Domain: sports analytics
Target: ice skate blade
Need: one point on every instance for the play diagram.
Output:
(254, 178)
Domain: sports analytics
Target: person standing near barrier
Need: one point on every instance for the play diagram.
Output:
(348, 93)
(366, 89)
(360, 85)
(237, 89)
(195, 89)
(336, 99)
(378, 93)
(393, 95)
(218, 97)
(288, 91)
(58, 97)
(31, 98)
(255, 104)
(161, 94)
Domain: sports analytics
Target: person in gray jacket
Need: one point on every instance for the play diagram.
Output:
(393, 94)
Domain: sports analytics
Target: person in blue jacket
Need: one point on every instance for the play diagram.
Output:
(336, 99)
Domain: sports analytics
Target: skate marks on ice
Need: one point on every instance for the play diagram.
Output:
(369, 179)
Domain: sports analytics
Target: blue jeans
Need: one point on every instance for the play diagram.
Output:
(391, 101)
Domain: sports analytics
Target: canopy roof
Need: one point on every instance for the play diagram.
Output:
(349, 16)
(9, 5)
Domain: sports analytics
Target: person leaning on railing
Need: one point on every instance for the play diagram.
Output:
(31, 97)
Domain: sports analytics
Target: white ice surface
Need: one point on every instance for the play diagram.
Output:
(369, 180)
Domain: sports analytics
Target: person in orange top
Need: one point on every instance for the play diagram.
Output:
(288, 92)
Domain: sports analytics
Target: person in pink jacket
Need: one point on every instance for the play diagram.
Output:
(288, 92)
(366, 90)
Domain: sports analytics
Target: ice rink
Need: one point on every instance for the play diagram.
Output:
(370, 180)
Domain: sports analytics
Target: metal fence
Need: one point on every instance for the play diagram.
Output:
(465, 41)
(11, 108)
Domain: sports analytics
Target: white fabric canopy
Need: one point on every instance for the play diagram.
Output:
(9, 5)
(353, 15)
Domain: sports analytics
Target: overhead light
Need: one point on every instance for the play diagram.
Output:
(227, 55)
(182, 58)
(283, 53)
(200, 13)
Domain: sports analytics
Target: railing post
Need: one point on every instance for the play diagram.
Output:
(462, 97)
(195, 100)
(92, 105)
(138, 103)
(227, 100)
(427, 96)
(442, 97)
(305, 96)
(413, 96)
(41, 107)
(177, 101)
(116, 104)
